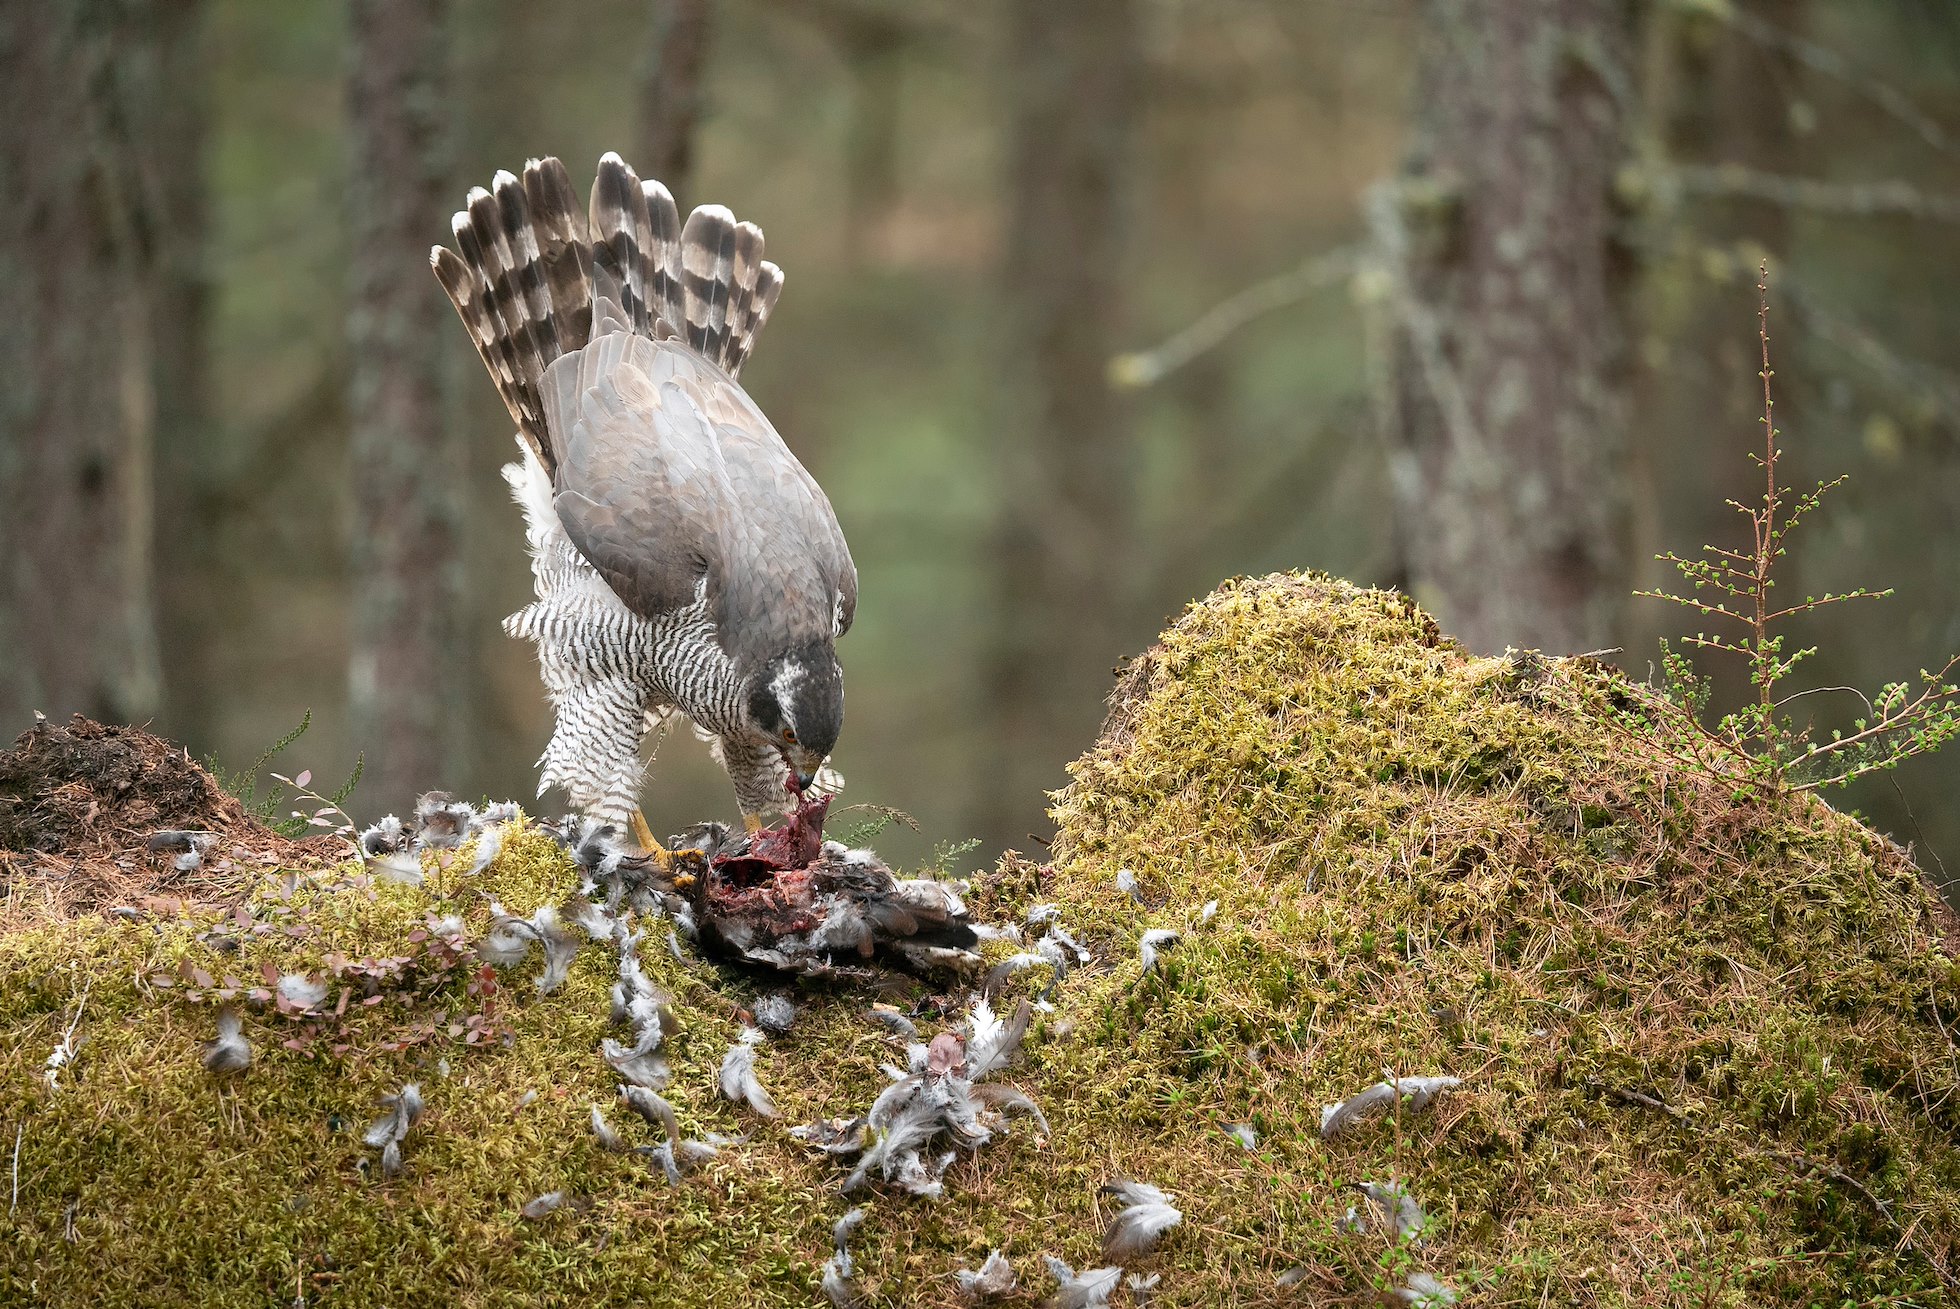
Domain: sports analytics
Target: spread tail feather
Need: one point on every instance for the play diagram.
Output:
(534, 276)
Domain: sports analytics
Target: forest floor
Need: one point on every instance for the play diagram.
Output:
(1702, 1039)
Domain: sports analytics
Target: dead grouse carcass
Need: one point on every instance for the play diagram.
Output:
(787, 899)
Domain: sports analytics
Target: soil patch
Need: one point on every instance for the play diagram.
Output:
(78, 804)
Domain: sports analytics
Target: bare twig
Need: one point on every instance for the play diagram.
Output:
(1143, 368)
(1827, 62)
(1913, 378)
(1889, 199)
(1639, 1098)
(15, 1200)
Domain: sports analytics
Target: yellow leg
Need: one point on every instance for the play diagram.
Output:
(644, 835)
(753, 822)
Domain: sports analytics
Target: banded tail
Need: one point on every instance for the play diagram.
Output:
(528, 266)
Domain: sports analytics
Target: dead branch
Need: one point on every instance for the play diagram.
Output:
(1143, 368)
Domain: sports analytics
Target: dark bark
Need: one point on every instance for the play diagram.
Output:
(1062, 565)
(77, 629)
(408, 674)
(671, 96)
(1507, 399)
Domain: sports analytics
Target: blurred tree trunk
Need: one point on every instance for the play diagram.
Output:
(671, 94)
(407, 674)
(1061, 558)
(1506, 405)
(188, 604)
(77, 624)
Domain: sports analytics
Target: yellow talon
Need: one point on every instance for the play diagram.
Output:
(753, 822)
(644, 835)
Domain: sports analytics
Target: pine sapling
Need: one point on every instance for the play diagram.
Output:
(1736, 588)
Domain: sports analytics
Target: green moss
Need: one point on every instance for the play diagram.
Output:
(1425, 863)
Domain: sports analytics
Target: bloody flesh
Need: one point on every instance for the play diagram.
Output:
(776, 850)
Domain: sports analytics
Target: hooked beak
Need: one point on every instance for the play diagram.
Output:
(803, 765)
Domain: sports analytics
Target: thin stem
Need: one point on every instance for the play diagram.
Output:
(1765, 524)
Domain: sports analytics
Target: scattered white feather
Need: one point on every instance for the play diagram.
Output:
(604, 1133)
(1126, 882)
(301, 991)
(1146, 1215)
(1152, 941)
(1425, 1292)
(1143, 1289)
(994, 1279)
(1244, 1134)
(1210, 911)
(1086, 1290)
(738, 1079)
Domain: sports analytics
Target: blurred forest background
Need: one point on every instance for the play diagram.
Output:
(1089, 305)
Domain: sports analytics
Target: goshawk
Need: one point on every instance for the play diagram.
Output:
(685, 561)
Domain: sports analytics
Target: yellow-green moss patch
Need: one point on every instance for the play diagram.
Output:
(1704, 1047)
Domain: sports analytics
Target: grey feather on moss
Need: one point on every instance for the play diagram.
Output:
(560, 944)
(1417, 1092)
(1393, 1208)
(604, 1133)
(1244, 1134)
(654, 1108)
(543, 1205)
(837, 1281)
(775, 1014)
(387, 1132)
(230, 1052)
(1146, 1215)
(1143, 1289)
(893, 1021)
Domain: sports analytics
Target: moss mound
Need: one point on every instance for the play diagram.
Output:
(1703, 1044)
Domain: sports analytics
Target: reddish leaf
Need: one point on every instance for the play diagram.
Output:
(270, 972)
(294, 1043)
(164, 980)
(202, 978)
(373, 1000)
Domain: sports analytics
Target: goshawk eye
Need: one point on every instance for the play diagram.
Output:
(789, 735)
